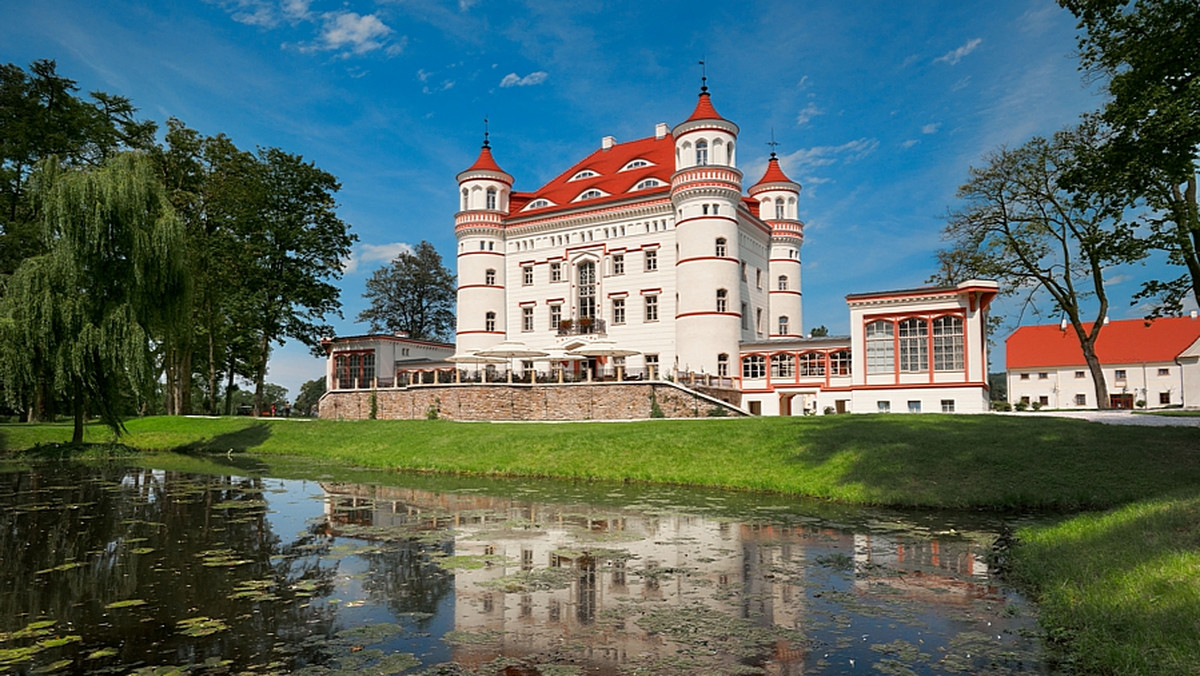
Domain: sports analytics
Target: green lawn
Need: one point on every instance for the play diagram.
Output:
(1118, 590)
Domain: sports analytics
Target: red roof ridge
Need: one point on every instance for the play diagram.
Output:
(485, 161)
(1129, 341)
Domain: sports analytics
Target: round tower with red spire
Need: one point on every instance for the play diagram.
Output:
(483, 192)
(706, 189)
(777, 195)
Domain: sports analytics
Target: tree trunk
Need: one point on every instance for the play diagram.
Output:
(77, 406)
(212, 374)
(229, 388)
(260, 374)
(1093, 362)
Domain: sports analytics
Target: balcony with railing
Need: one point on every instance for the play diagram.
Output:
(581, 327)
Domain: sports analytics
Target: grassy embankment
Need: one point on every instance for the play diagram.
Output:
(1117, 589)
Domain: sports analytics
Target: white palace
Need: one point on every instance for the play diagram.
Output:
(656, 246)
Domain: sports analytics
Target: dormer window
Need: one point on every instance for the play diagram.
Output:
(648, 183)
(589, 195)
(538, 204)
(586, 173)
(635, 164)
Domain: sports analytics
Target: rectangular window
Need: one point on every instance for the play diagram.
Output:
(555, 317)
(947, 406)
(556, 272)
(1044, 400)
(883, 406)
(651, 303)
(650, 260)
(743, 271)
(1024, 376)
(754, 366)
(618, 262)
(1164, 372)
(1080, 374)
(758, 277)
(812, 364)
(651, 366)
(1043, 376)
(1120, 374)
(914, 407)
(745, 317)
(618, 310)
(1164, 397)
(948, 343)
(527, 318)
(1081, 400)
(527, 275)
(758, 325)
(783, 366)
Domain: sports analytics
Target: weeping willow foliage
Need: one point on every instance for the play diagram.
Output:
(81, 319)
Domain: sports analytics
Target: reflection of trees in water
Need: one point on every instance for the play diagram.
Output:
(403, 576)
(182, 544)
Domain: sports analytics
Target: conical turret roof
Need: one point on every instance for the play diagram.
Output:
(774, 174)
(704, 108)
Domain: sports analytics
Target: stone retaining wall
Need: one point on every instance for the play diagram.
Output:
(503, 401)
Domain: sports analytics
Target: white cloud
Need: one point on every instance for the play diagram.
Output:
(296, 10)
(803, 83)
(820, 156)
(953, 56)
(374, 253)
(423, 75)
(807, 113)
(910, 143)
(464, 5)
(514, 80)
(359, 33)
(931, 128)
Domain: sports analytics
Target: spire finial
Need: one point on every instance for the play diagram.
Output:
(485, 133)
(703, 77)
(772, 143)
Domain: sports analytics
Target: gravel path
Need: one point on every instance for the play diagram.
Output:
(1120, 418)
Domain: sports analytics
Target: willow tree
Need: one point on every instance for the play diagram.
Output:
(1020, 226)
(81, 317)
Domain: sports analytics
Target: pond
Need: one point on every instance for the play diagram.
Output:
(210, 566)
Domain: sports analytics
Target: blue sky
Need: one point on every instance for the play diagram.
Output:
(879, 108)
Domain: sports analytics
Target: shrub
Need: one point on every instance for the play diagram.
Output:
(431, 413)
(1021, 405)
(829, 410)
(1037, 405)
(373, 402)
(655, 410)
(718, 412)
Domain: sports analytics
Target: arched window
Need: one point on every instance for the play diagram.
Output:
(914, 346)
(729, 151)
(783, 325)
(489, 321)
(721, 248)
(491, 198)
(591, 194)
(701, 152)
(648, 183)
(754, 366)
(723, 364)
(779, 208)
(722, 300)
(881, 350)
(783, 283)
(464, 201)
(948, 343)
(489, 277)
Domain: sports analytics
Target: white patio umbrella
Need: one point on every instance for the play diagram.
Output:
(605, 347)
(471, 357)
(557, 355)
(511, 349)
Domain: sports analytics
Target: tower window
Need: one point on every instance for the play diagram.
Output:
(723, 364)
(464, 199)
(491, 198)
(779, 209)
(783, 325)
(489, 277)
(702, 152)
(721, 248)
(722, 300)
(783, 283)
(489, 322)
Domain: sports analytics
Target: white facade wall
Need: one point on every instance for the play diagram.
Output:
(1159, 384)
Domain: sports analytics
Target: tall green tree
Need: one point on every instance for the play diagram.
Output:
(1148, 51)
(1020, 226)
(112, 276)
(41, 116)
(294, 245)
(310, 393)
(414, 293)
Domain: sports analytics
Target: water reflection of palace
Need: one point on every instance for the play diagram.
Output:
(553, 578)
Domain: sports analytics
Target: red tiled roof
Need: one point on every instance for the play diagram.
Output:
(659, 152)
(774, 173)
(704, 109)
(485, 161)
(1121, 342)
